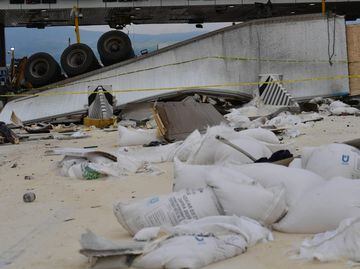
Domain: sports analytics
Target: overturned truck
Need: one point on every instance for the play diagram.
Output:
(231, 59)
(42, 69)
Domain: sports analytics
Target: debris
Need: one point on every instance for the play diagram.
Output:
(292, 133)
(29, 197)
(134, 137)
(101, 105)
(67, 220)
(9, 135)
(128, 123)
(276, 156)
(333, 245)
(173, 121)
(61, 128)
(34, 137)
(14, 165)
(96, 246)
(139, 113)
(28, 177)
(87, 164)
(340, 108)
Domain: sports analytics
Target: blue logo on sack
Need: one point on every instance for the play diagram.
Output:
(153, 200)
(345, 159)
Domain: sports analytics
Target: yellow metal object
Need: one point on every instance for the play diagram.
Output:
(323, 7)
(99, 123)
(77, 30)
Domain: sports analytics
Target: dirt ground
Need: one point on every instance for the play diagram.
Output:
(45, 234)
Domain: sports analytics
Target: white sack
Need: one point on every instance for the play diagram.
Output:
(296, 181)
(197, 243)
(168, 209)
(252, 230)
(344, 242)
(332, 160)
(296, 163)
(191, 252)
(188, 176)
(190, 144)
(344, 111)
(323, 208)
(253, 201)
(134, 137)
(261, 135)
(157, 154)
(284, 120)
(236, 119)
(224, 154)
(165, 153)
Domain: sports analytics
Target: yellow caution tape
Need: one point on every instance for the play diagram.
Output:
(234, 84)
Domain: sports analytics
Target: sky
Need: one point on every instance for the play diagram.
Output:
(156, 29)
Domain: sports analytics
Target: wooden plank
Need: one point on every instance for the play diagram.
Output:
(353, 47)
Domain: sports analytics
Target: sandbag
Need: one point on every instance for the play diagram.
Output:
(134, 137)
(261, 135)
(296, 163)
(332, 160)
(168, 209)
(190, 144)
(189, 176)
(191, 252)
(236, 119)
(157, 154)
(202, 154)
(197, 243)
(284, 119)
(323, 208)
(344, 111)
(252, 230)
(210, 146)
(344, 242)
(224, 154)
(250, 200)
(339, 108)
(296, 181)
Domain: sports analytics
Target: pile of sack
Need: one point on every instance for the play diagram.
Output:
(313, 195)
(206, 148)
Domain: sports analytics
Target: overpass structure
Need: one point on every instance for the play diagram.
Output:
(118, 13)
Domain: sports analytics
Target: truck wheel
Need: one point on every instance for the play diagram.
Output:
(78, 59)
(41, 69)
(114, 47)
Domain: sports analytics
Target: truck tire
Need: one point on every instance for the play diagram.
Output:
(114, 47)
(78, 59)
(41, 69)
